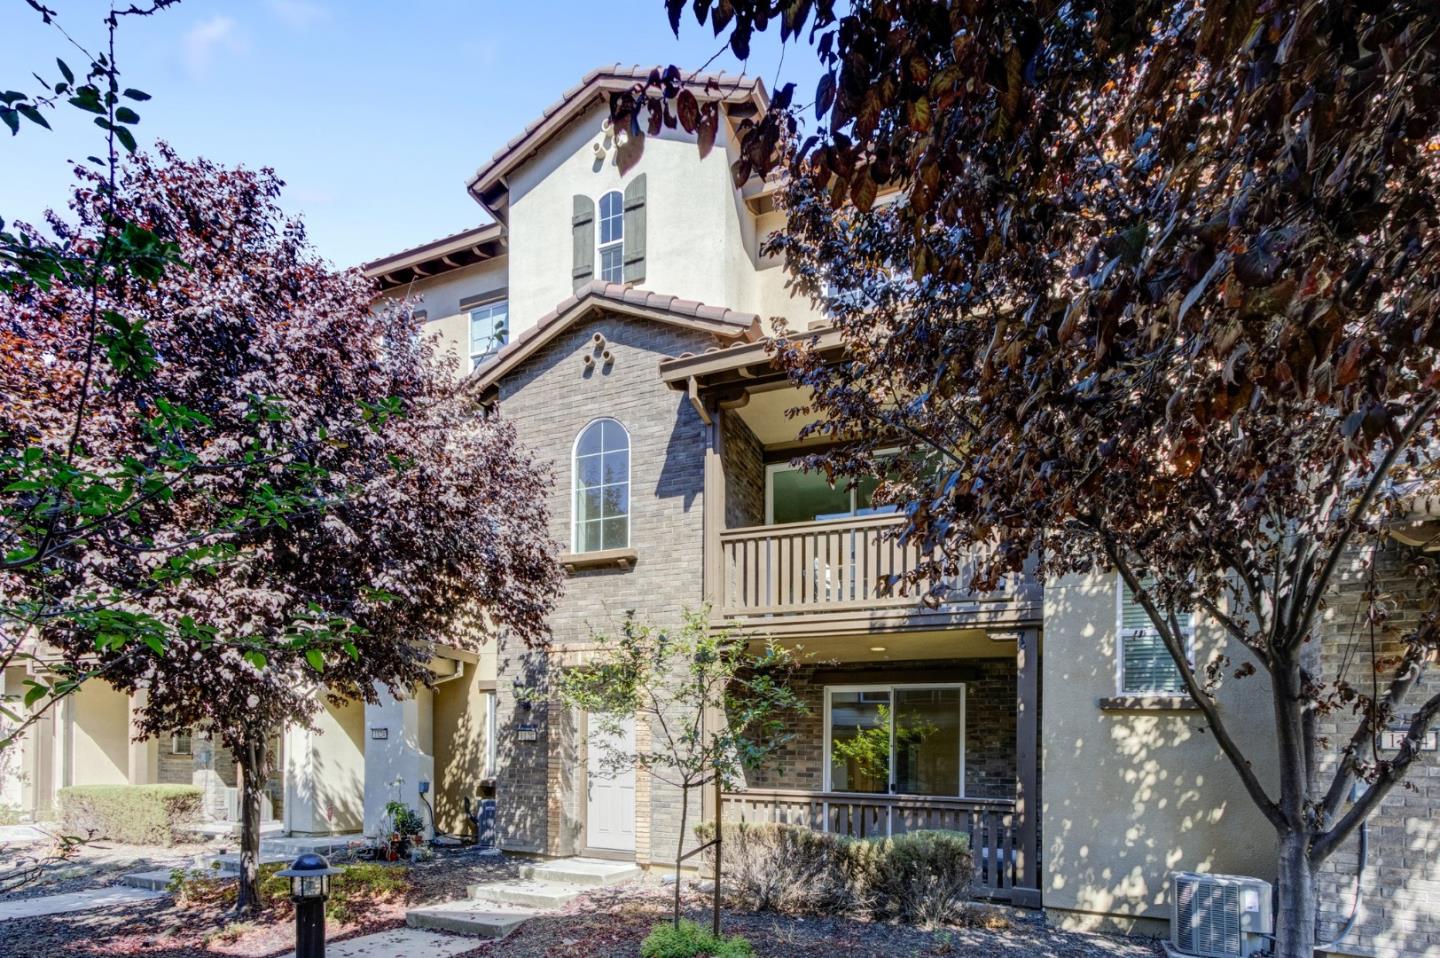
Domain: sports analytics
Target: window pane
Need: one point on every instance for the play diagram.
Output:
(590, 439)
(860, 741)
(612, 217)
(612, 263)
(805, 496)
(1147, 666)
(589, 471)
(615, 467)
(615, 500)
(613, 436)
(615, 532)
(587, 504)
(927, 741)
(587, 536)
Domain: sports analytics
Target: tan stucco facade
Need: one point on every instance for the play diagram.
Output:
(1129, 795)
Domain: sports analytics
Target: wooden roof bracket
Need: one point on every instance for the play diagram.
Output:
(692, 388)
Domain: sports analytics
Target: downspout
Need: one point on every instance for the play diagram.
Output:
(1364, 856)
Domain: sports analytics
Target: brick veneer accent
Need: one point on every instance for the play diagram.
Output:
(744, 474)
(989, 724)
(1400, 906)
(551, 397)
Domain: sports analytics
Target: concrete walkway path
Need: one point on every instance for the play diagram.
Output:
(399, 943)
(73, 901)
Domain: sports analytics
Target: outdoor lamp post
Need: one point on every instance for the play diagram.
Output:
(309, 886)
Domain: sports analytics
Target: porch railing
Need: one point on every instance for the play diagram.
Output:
(990, 823)
(834, 566)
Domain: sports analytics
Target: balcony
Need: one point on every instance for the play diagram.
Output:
(830, 576)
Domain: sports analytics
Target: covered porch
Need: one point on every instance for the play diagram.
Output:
(915, 731)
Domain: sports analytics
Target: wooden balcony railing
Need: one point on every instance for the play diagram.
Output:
(990, 823)
(834, 567)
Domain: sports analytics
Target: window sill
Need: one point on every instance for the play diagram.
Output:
(1148, 703)
(603, 559)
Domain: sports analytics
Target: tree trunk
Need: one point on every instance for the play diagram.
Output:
(1295, 898)
(255, 773)
(680, 847)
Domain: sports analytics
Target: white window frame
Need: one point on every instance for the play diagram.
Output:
(189, 742)
(575, 483)
(479, 359)
(600, 246)
(892, 689)
(492, 733)
(1151, 630)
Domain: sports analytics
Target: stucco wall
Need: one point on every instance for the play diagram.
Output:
(1131, 795)
(325, 772)
(461, 738)
(550, 398)
(440, 297)
(99, 720)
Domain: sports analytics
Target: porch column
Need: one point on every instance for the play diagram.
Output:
(144, 764)
(399, 754)
(714, 505)
(1027, 759)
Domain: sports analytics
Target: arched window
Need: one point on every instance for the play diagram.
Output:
(602, 487)
(612, 237)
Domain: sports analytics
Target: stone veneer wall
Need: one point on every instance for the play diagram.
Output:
(990, 764)
(550, 398)
(1400, 903)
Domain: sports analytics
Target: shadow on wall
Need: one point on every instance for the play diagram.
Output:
(1131, 795)
(460, 747)
(681, 475)
(522, 812)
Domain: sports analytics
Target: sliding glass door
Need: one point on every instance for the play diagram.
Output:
(895, 739)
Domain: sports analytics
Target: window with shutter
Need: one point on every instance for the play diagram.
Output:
(1145, 666)
(582, 228)
(634, 255)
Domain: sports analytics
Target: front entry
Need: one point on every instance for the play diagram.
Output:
(610, 805)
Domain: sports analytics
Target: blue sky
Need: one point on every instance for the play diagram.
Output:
(373, 112)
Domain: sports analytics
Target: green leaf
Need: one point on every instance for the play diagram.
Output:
(316, 659)
(64, 69)
(11, 119)
(139, 96)
(126, 115)
(126, 138)
(33, 115)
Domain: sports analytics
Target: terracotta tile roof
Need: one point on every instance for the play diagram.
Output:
(726, 325)
(602, 80)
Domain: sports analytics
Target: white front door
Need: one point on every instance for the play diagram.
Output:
(610, 806)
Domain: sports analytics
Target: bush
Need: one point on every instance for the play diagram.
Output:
(130, 814)
(352, 892)
(786, 869)
(689, 940)
(9, 814)
(920, 877)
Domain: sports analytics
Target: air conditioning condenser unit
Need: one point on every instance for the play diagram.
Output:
(1219, 916)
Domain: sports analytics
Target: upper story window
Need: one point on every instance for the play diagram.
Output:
(489, 331)
(1144, 666)
(611, 249)
(602, 487)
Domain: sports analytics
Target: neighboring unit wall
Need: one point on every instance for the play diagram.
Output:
(1399, 913)
(1132, 795)
(98, 727)
(550, 398)
(445, 298)
(325, 772)
(461, 742)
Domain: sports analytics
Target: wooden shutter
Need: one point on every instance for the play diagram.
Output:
(582, 228)
(1145, 665)
(635, 230)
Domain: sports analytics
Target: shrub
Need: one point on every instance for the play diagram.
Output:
(919, 877)
(9, 814)
(130, 814)
(786, 869)
(689, 940)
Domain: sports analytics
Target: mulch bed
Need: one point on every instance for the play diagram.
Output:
(607, 923)
(611, 923)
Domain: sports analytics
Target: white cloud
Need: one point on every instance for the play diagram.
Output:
(206, 39)
(298, 14)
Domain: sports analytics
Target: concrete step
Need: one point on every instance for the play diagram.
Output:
(294, 846)
(398, 943)
(480, 919)
(230, 862)
(587, 872)
(542, 895)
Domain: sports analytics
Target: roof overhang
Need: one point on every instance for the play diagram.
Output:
(448, 253)
(726, 325)
(741, 95)
(743, 366)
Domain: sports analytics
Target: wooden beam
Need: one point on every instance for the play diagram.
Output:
(692, 388)
(713, 516)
